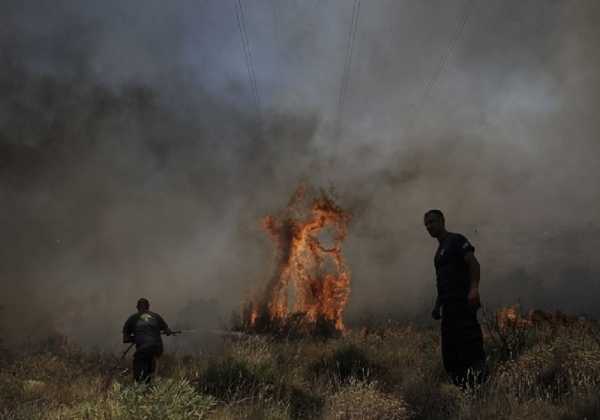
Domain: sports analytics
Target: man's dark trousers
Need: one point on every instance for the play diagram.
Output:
(144, 364)
(462, 344)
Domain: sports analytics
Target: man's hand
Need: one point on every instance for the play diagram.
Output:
(473, 298)
(436, 313)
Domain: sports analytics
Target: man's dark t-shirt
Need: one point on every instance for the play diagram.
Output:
(452, 271)
(146, 328)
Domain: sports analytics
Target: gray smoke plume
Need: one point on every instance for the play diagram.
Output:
(137, 158)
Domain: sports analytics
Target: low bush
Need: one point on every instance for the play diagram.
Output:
(362, 400)
(230, 379)
(303, 404)
(346, 362)
(167, 399)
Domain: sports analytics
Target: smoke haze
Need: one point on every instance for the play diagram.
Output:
(136, 159)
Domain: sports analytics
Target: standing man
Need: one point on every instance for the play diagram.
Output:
(144, 328)
(457, 272)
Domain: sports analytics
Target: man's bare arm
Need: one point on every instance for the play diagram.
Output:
(435, 313)
(474, 277)
(127, 331)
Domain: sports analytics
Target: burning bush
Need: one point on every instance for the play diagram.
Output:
(309, 290)
(512, 331)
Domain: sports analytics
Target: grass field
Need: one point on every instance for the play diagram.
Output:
(383, 372)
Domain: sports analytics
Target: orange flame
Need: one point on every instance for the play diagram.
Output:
(511, 317)
(311, 278)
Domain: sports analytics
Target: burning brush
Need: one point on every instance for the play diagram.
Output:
(309, 289)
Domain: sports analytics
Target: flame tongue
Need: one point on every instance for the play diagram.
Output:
(310, 264)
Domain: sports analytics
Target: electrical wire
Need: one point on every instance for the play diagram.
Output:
(241, 22)
(347, 68)
(441, 67)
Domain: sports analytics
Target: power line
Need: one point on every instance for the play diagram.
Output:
(441, 68)
(278, 40)
(347, 67)
(241, 22)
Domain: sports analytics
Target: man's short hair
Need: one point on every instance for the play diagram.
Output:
(436, 212)
(143, 303)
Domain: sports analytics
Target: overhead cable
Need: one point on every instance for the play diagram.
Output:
(347, 68)
(241, 22)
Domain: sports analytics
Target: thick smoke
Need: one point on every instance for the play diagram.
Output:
(134, 160)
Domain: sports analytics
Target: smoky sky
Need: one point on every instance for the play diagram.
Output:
(137, 159)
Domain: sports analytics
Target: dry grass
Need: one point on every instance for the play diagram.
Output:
(362, 400)
(390, 372)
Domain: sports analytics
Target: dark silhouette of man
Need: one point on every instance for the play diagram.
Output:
(144, 328)
(457, 278)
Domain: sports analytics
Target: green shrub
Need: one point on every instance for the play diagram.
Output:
(24, 412)
(430, 399)
(362, 400)
(302, 404)
(251, 411)
(167, 399)
(346, 362)
(586, 406)
(12, 392)
(231, 379)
